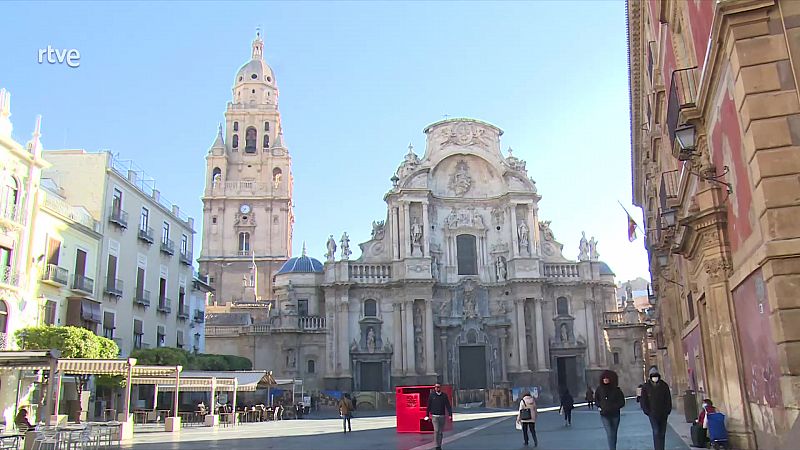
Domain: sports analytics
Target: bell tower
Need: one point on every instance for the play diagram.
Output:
(247, 202)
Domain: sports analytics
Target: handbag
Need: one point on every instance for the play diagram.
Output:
(518, 425)
(525, 414)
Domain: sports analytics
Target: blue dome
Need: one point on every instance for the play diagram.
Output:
(605, 270)
(301, 264)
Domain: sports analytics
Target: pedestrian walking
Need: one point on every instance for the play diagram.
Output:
(346, 412)
(526, 417)
(589, 397)
(610, 400)
(438, 405)
(656, 403)
(567, 403)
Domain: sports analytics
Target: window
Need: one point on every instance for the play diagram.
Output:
(111, 273)
(370, 308)
(140, 283)
(161, 338)
(467, 254)
(214, 220)
(276, 177)
(244, 242)
(3, 316)
(690, 305)
(116, 200)
(80, 264)
(108, 324)
(53, 251)
(50, 312)
(235, 141)
(179, 339)
(235, 126)
(266, 126)
(144, 219)
(181, 298)
(562, 306)
(637, 350)
(616, 358)
(216, 175)
(302, 307)
(184, 245)
(266, 140)
(162, 291)
(311, 366)
(6, 258)
(137, 333)
(165, 232)
(11, 194)
(250, 138)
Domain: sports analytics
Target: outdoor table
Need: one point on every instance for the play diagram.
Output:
(10, 441)
(109, 414)
(163, 413)
(140, 414)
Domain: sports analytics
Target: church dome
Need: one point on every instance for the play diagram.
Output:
(256, 70)
(605, 269)
(301, 264)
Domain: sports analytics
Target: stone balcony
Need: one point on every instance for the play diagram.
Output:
(562, 270)
(370, 273)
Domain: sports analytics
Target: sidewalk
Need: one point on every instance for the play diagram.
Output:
(678, 424)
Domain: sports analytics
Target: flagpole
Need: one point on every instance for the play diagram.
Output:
(629, 215)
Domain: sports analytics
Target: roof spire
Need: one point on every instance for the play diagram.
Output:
(258, 45)
(304, 248)
(219, 142)
(35, 144)
(5, 112)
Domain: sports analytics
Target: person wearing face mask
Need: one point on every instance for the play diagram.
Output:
(609, 399)
(656, 403)
(438, 406)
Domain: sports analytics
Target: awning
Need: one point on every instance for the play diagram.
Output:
(108, 320)
(246, 381)
(90, 311)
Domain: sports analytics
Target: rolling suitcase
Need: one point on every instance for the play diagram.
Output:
(698, 435)
(717, 433)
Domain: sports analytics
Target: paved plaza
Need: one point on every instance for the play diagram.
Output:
(472, 431)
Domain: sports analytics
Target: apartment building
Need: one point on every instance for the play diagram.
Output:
(145, 261)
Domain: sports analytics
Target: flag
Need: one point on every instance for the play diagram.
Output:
(631, 228)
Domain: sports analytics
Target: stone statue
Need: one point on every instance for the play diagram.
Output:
(497, 217)
(371, 340)
(435, 268)
(564, 333)
(276, 181)
(584, 248)
(593, 255)
(452, 219)
(378, 230)
(345, 241)
(353, 346)
(444, 309)
(470, 309)
(387, 347)
(522, 232)
(418, 318)
(416, 235)
(331, 255)
(547, 233)
(500, 268)
(420, 349)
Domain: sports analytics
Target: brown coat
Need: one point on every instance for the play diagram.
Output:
(345, 406)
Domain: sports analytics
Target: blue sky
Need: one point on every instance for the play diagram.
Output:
(358, 81)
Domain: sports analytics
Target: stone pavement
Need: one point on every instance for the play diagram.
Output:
(473, 430)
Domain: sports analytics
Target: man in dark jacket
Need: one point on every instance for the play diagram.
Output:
(609, 399)
(438, 404)
(656, 402)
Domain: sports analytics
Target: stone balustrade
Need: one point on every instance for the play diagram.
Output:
(311, 323)
(613, 318)
(562, 270)
(371, 273)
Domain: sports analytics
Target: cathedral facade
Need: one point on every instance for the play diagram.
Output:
(462, 282)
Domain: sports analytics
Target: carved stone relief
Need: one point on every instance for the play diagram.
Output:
(460, 180)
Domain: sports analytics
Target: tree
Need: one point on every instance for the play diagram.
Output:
(177, 357)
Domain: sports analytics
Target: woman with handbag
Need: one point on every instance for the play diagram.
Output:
(526, 417)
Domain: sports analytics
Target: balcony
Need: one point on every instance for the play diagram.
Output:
(164, 305)
(11, 216)
(167, 247)
(146, 235)
(682, 95)
(114, 287)
(183, 312)
(613, 318)
(199, 316)
(244, 253)
(142, 298)
(9, 276)
(118, 217)
(56, 275)
(84, 284)
(186, 258)
(371, 273)
(5, 340)
(565, 270)
(311, 323)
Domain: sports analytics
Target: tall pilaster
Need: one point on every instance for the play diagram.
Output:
(405, 226)
(519, 305)
(431, 368)
(541, 362)
(397, 328)
(426, 230)
(514, 238)
(408, 331)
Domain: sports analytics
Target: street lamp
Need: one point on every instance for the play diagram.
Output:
(685, 136)
(670, 217)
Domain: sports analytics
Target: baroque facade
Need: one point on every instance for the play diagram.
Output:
(714, 127)
(462, 281)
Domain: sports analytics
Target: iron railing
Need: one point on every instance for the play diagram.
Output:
(114, 287)
(164, 305)
(142, 297)
(146, 234)
(118, 217)
(56, 274)
(168, 246)
(83, 283)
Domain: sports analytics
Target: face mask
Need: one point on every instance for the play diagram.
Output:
(705, 405)
(654, 379)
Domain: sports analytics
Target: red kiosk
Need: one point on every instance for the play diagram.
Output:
(411, 403)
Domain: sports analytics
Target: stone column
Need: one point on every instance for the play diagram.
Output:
(397, 351)
(429, 361)
(344, 339)
(408, 334)
(405, 221)
(443, 357)
(503, 368)
(591, 325)
(519, 305)
(533, 224)
(392, 230)
(426, 229)
(514, 238)
(539, 323)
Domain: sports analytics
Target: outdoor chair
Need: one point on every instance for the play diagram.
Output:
(46, 439)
